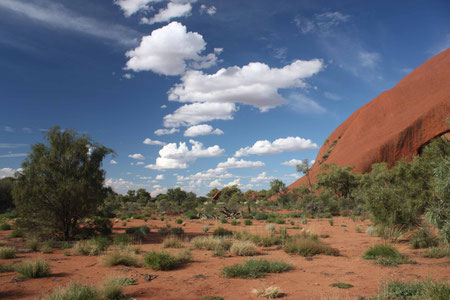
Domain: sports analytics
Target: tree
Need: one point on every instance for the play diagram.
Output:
(60, 183)
(304, 168)
(6, 199)
(277, 186)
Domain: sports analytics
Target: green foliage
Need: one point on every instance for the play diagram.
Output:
(437, 252)
(192, 214)
(424, 289)
(386, 255)
(423, 238)
(33, 269)
(256, 268)
(220, 231)
(5, 226)
(7, 252)
(6, 268)
(248, 222)
(178, 221)
(164, 231)
(341, 285)
(122, 240)
(205, 228)
(211, 243)
(235, 222)
(113, 288)
(16, 233)
(6, 199)
(331, 222)
(261, 216)
(33, 245)
(124, 257)
(91, 247)
(60, 183)
(223, 221)
(306, 244)
(164, 261)
(75, 291)
(138, 233)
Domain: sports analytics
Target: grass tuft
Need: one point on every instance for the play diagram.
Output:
(75, 291)
(6, 268)
(423, 238)
(164, 261)
(386, 255)
(307, 244)
(124, 257)
(33, 269)
(244, 248)
(220, 231)
(255, 268)
(7, 252)
(91, 247)
(272, 292)
(437, 252)
(425, 289)
(172, 241)
(341, 285)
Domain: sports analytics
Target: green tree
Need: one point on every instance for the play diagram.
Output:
(60, 183)
(304, 168)
(6, 199)
(277, 186)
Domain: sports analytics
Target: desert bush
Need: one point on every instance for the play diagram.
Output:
(271, 228)
(164, 261)
(390, 232)
(235, 222)
(211, 243)
(437, 252)
(386, 255)
(164, 231)
(307, 244)
(6, 268)
(178, 221)
(261, 216)
(172, 241)
(331, 222)
(205, 228)
(122, 240)
(5, 226)
(220, 231)
(418, 290)
(74, 291)
(372, 231)
(33, 269)
(272, 292)
(124, 257)
(112, 288)
(358, 229)
(244, 248)
(223, 221)
(304, 221)
(256, 268)
(7, 252)
(248, 222)
(138, 233)
(91, 247)
(16, 233)
(33, 245)
(423, 238)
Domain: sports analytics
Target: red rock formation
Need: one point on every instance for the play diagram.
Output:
(394, 125)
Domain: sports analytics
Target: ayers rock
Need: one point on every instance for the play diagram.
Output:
(394, 125)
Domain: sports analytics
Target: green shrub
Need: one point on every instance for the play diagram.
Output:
(33, 245)
(205, 228)
(91, 247)
(423, 238)
(271, 228)
(256, 268)
(178, 221)
(386, 255)
(219, 231)
(304, 221)
(390, 232)
(358, 229)
(295, 214)
(248, 222)
(7, 252)
(261, 216)
(211, 243)
(164, 261)
(223, 221)
(33, 269)
(75, 291)
(122, 240)
(16, 233)
(341, 285)
(138, 233)
(124, 257)
(437, 252)
(331, 222)
(424, 289)
(113, 288)
(235, 222)
(164, 231)
(5, 226)
(243, 248)
(172, 241)
(309, 245)
(191, 215)
(6, 268)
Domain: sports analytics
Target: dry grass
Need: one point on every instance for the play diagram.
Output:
(244, 248)
(172, 241)
(272, 292)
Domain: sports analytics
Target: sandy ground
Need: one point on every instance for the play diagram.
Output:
(309, 280)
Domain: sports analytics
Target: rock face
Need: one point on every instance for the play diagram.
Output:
(394, 125)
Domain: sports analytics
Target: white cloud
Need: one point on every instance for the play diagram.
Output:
(202, 129)
(254, 84)
(159, 177)
(233, 163)
(215, 183)
(113, 162)
(11, 146)
(7, 172)
(11, 155)
(173, 10)
(121, 185)
(293, 162)
(304, 104)
(148, 141)
(265, 147)
(195, 113)
(156, 186)
(202, 178)
(166, 131)
(8, 129)
(172, 156)
(60, 18)
(323, 23)
(262, 177)
(137, 156)
(234, 182)
(27, 130)
(139, 163)
(169, 50)
(127, 76)
(130, 7)
(368, 59)
(211, 10)
(332, 96)
(163, 106)
(158, 191)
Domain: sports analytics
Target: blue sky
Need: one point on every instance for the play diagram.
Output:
(202, 94)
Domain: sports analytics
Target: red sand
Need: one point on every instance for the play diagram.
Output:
(309, 280)
(394, 125)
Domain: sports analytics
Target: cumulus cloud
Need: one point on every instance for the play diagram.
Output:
(202, 129)
(234, 182)
(202, 178)
(233, 163)
(149, 141)
(172, 156)
(169, 50)
(7, 172)
(262, 177)
(265, 147)
(195, 113)
(166, 131)
(210, 10)
(113, 162)
(121, 185)
(215, 183)
(131, 7)
(173, 10)
(293, 162)
(159, 177)
(158, 191)
(163, 106)
(137, 156)
(254, 84)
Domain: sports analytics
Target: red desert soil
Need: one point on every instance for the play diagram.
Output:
(394, 125)
(309, 280)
